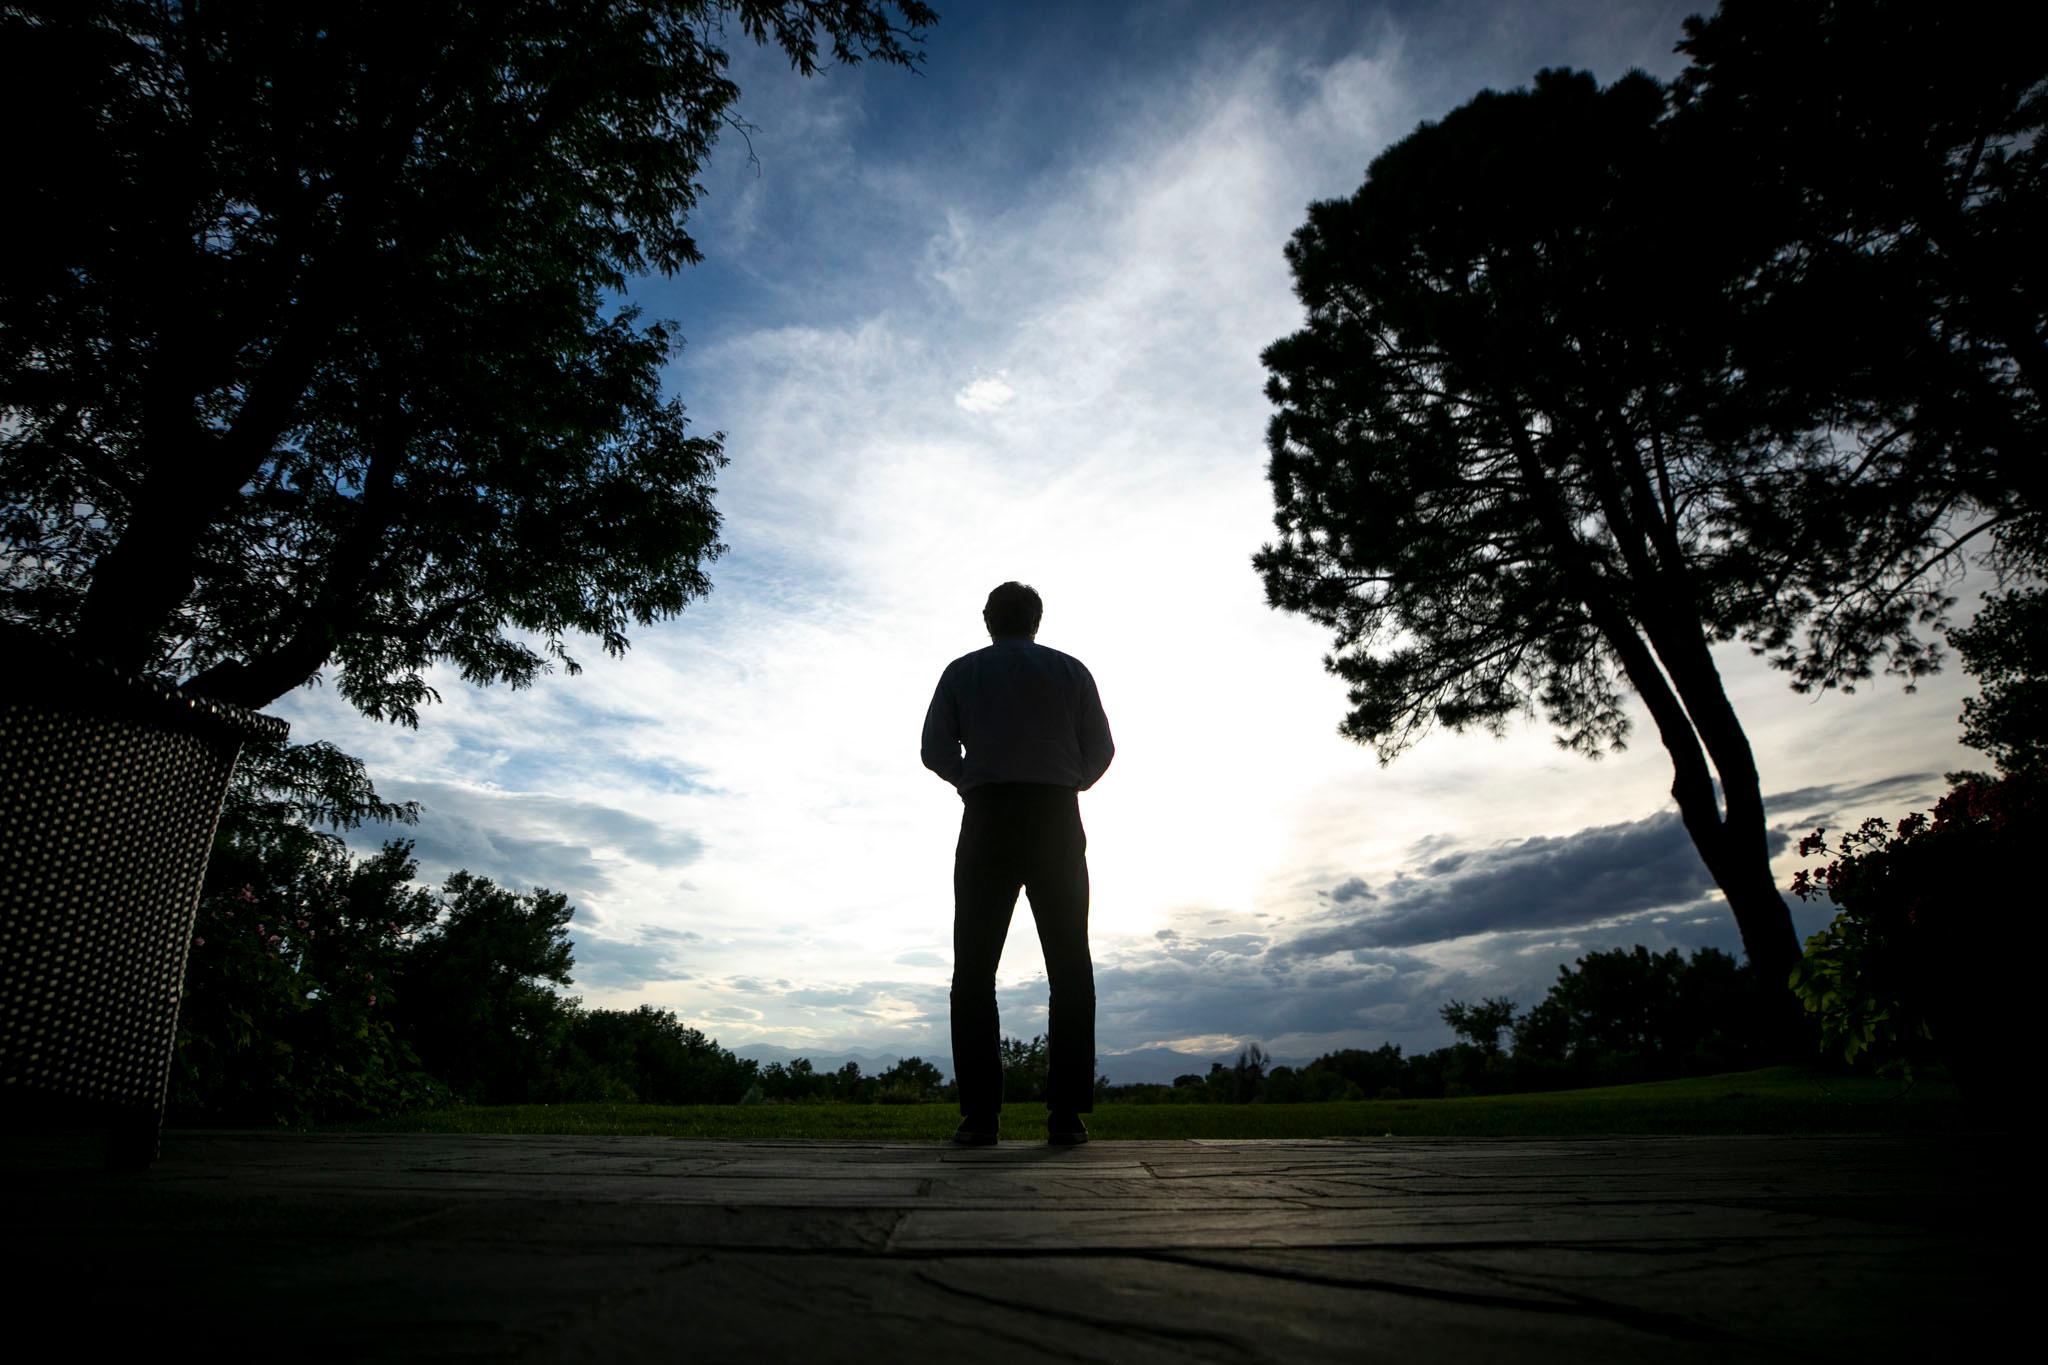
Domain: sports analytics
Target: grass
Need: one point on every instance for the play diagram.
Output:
(1776, 1100)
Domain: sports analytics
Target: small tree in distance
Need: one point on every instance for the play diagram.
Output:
(1480, 1025)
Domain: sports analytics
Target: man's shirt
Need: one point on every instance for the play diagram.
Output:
(1023, 713)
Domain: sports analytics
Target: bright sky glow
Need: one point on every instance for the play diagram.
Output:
(1003, 321)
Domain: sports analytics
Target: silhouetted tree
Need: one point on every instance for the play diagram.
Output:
(1248, 1074)
(2006, 649)
(649, 1055)
(1373, 1073)
(1482, 1024)
(795, 1080)
(475, 991)
(310, 349)
(912, 1080)
(1628, 1014)
(1904, 965)
(1894, 157)
(1512, 474)
(1024, 1069)
(291, 987)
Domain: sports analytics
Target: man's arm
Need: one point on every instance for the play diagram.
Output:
(1091, 728)
(941, 748)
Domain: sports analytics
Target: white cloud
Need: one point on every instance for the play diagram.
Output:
(985, 395)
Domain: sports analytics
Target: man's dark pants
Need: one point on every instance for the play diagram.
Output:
(1019, 835)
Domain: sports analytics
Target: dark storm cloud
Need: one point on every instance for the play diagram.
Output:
(1549, 882)
(1143, 1001)
(1353, 890)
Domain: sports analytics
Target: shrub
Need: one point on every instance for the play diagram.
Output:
(1902, 969)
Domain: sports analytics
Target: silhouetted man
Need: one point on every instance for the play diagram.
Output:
(1033, 732)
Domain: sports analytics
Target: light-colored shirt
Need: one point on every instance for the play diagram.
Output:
(1022, 713)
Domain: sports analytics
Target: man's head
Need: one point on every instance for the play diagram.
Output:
(1013, 610)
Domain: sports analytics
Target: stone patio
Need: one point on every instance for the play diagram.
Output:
(603, 1249)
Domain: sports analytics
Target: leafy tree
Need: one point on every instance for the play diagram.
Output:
(1901, 972)
(797, 1080)
(475, 991)
(1373, 1073)
(646, 1055)
(1897, 159)
(312, 357)
(2006, 649)
(1480, 1025)
(308, 785)
(912, 1080)
(1628, 1014)
(1025, 1068)
(1248, 1074)
(287, 1010)
(1513, 473)
(848, 1086)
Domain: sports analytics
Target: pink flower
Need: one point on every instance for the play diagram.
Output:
(247, 893)
(198, 942)
(272, 940)
(373, 997)
(301, 923)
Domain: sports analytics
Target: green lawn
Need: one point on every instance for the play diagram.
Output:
(1777, 1100)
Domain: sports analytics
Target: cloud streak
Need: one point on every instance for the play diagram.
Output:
(1606, 872)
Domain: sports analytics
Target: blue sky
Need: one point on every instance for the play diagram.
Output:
(1002, 320)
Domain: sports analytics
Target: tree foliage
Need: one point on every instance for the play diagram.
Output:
(1612, 1017)
(2005, 647)
(477, 995)
(323, 987)
(647, 1055)
(1902, 973)
(287, 1010)
(1480, 1025)
(1026, 1065)
(1628, 1014)
(1559, 421)
(1505, 474)
(310, 349)
(1893, 154)
(911, 1080)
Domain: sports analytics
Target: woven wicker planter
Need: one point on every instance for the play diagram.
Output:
(110, 788)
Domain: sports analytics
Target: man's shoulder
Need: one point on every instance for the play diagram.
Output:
(1064, 660)
(969, 659)
(1001, 655)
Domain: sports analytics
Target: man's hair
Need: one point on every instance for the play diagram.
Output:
(1013, 609)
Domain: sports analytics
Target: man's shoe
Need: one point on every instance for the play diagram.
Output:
(1065, 1130)
(976, 1133)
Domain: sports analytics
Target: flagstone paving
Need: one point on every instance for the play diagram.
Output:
(356, 1247)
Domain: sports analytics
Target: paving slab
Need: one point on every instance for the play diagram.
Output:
(360, 1247)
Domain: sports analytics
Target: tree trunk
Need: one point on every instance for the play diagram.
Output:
(1673, 672)
(1735, 845)
(1742, 865)
(138, 584)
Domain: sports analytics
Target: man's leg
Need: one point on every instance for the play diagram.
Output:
(1057, 883)
(985, 885)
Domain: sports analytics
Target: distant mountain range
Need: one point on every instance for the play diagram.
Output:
(1146, 1066)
